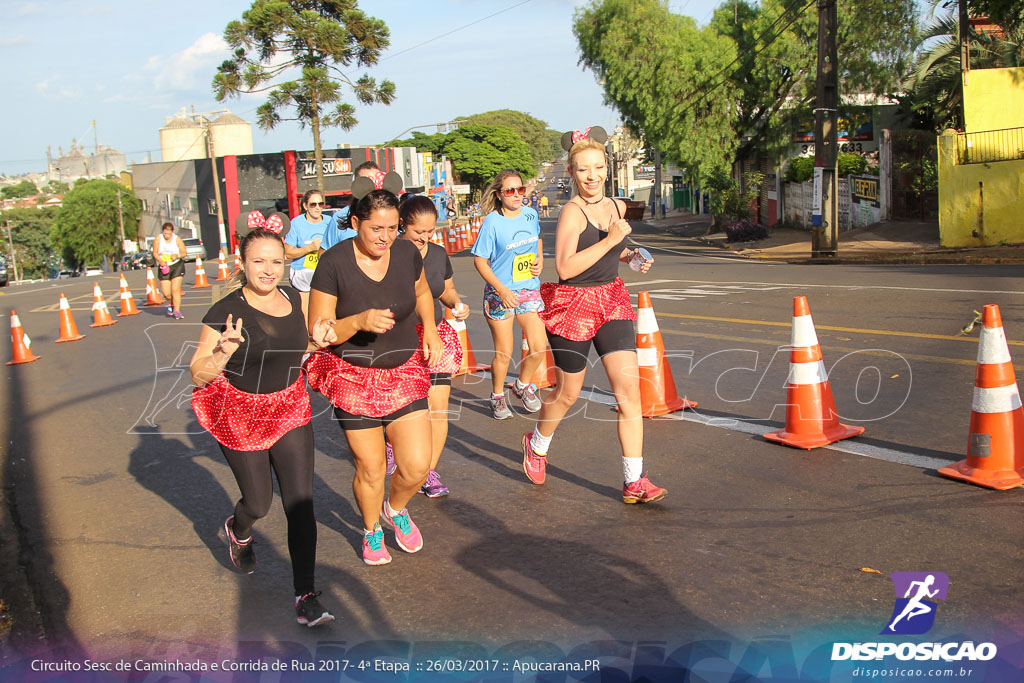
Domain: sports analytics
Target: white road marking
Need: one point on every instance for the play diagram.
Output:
(707, 256)
(732, 285)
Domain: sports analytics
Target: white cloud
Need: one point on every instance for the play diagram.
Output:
(14, 41)
(191, 68)
(27, 9)
(52, 89)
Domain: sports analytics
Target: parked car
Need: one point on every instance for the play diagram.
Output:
(65, 274)
(194, 247)
(92, 271)
(143, 259)
(126, 262)
(3, 274)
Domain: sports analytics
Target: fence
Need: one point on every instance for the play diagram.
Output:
(799, 198)
(987, 146)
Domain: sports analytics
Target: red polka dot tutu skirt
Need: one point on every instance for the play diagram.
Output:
(577, 313)
(452, 359)
(370, 392)
(250, 422)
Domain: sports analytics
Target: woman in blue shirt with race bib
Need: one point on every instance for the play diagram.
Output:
(302, 243)
(509, 256)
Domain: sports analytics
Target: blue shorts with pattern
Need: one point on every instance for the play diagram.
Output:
(529, 302)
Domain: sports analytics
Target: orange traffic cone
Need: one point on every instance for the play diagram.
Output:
(20, 343)
(469, 363)
(153, 296)
(127, 301)
(450, 245)
(811, 418)
(201, 280)
(100, 314)
(545, 375)
(995, 448)
(436, 238)
(238, 260)
(222, 268)
(68, 328)
(657, 389)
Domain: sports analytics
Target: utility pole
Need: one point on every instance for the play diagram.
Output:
(825, 212)
(657, 182)
(10, 245)
(120, 215)
(965, 56)
(216, 187)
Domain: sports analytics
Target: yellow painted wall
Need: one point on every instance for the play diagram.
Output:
(994, 99)
(979, 204)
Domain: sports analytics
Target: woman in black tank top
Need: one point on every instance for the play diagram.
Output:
(376, 375)
(251, 396)
(591, 306)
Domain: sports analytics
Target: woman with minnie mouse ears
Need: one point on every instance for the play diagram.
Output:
(590, 306)
(251, 396)
(373, 288)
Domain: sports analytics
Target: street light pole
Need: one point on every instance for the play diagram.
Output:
(825, 212)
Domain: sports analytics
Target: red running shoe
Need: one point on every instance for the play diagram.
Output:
(534, 466)
(642, 491)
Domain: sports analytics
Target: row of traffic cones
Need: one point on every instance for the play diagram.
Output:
(461, 237)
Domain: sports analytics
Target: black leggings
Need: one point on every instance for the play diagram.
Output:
(291, 458)
(571, 356)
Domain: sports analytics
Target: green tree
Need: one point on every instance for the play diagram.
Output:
(653, 66)
(30, 233)
(25, 188)
(544, 143)
(421, 141)
(313, 40)
(478, 152)
(86, 227)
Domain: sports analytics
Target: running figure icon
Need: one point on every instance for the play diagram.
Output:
(916, 595)
(915, 607)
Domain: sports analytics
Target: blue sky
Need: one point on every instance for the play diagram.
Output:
(128, 65)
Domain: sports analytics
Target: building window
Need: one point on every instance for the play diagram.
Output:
(176, 203)
(145, 205)
(193, 204)
(211, 207)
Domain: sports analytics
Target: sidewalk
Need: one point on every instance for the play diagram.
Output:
(887, 242)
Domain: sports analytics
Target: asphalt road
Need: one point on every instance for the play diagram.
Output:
(116, 498)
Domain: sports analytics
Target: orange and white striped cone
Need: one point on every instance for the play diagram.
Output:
(811, 417)
(153, 296)
(475, 229)
(450, 246)
(469, 363)
(545, 375)
(238, 260)
(21, 351)
(657, 389)
(127, 301)
(201, 280)
(995, 447)
(222, 268)
(68, 328)
(100, 314)
(435, 238)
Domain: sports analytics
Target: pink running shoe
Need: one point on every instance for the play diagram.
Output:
(407, 534)
(642, 491)
(389, 456)
(535, 466)
(374, 551)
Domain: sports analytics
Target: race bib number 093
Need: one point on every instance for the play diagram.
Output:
(521, 267)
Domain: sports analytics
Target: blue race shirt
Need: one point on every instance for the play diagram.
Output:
(337, 234)
(510, 245)
(302, 232)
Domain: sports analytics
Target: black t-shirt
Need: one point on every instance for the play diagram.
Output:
(271, 356)
(438, 268)
(607, 267)
(338, 275)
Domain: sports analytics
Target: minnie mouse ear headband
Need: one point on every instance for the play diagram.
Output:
(275, 222)
(362, 186)
(595, 133)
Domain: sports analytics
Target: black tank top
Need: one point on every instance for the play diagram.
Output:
(607, 267)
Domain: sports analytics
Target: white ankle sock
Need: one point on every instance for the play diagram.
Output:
(540, 443)
(519, 385)
(632, 468)
(390, 511)
(494, 395)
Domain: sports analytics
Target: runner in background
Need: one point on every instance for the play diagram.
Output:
(591, 306)
(509, 256)
(418, 218)
(302, 242)
(251, 396)
(343, 230)
(544, 211)
(169, 253)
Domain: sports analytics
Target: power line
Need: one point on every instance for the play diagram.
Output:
(455, 30)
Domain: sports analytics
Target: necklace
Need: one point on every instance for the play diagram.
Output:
(597, 201)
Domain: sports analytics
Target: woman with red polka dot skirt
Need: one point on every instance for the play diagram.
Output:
(418, 219)
(590, 306)
(376, 373)
(251, 396)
